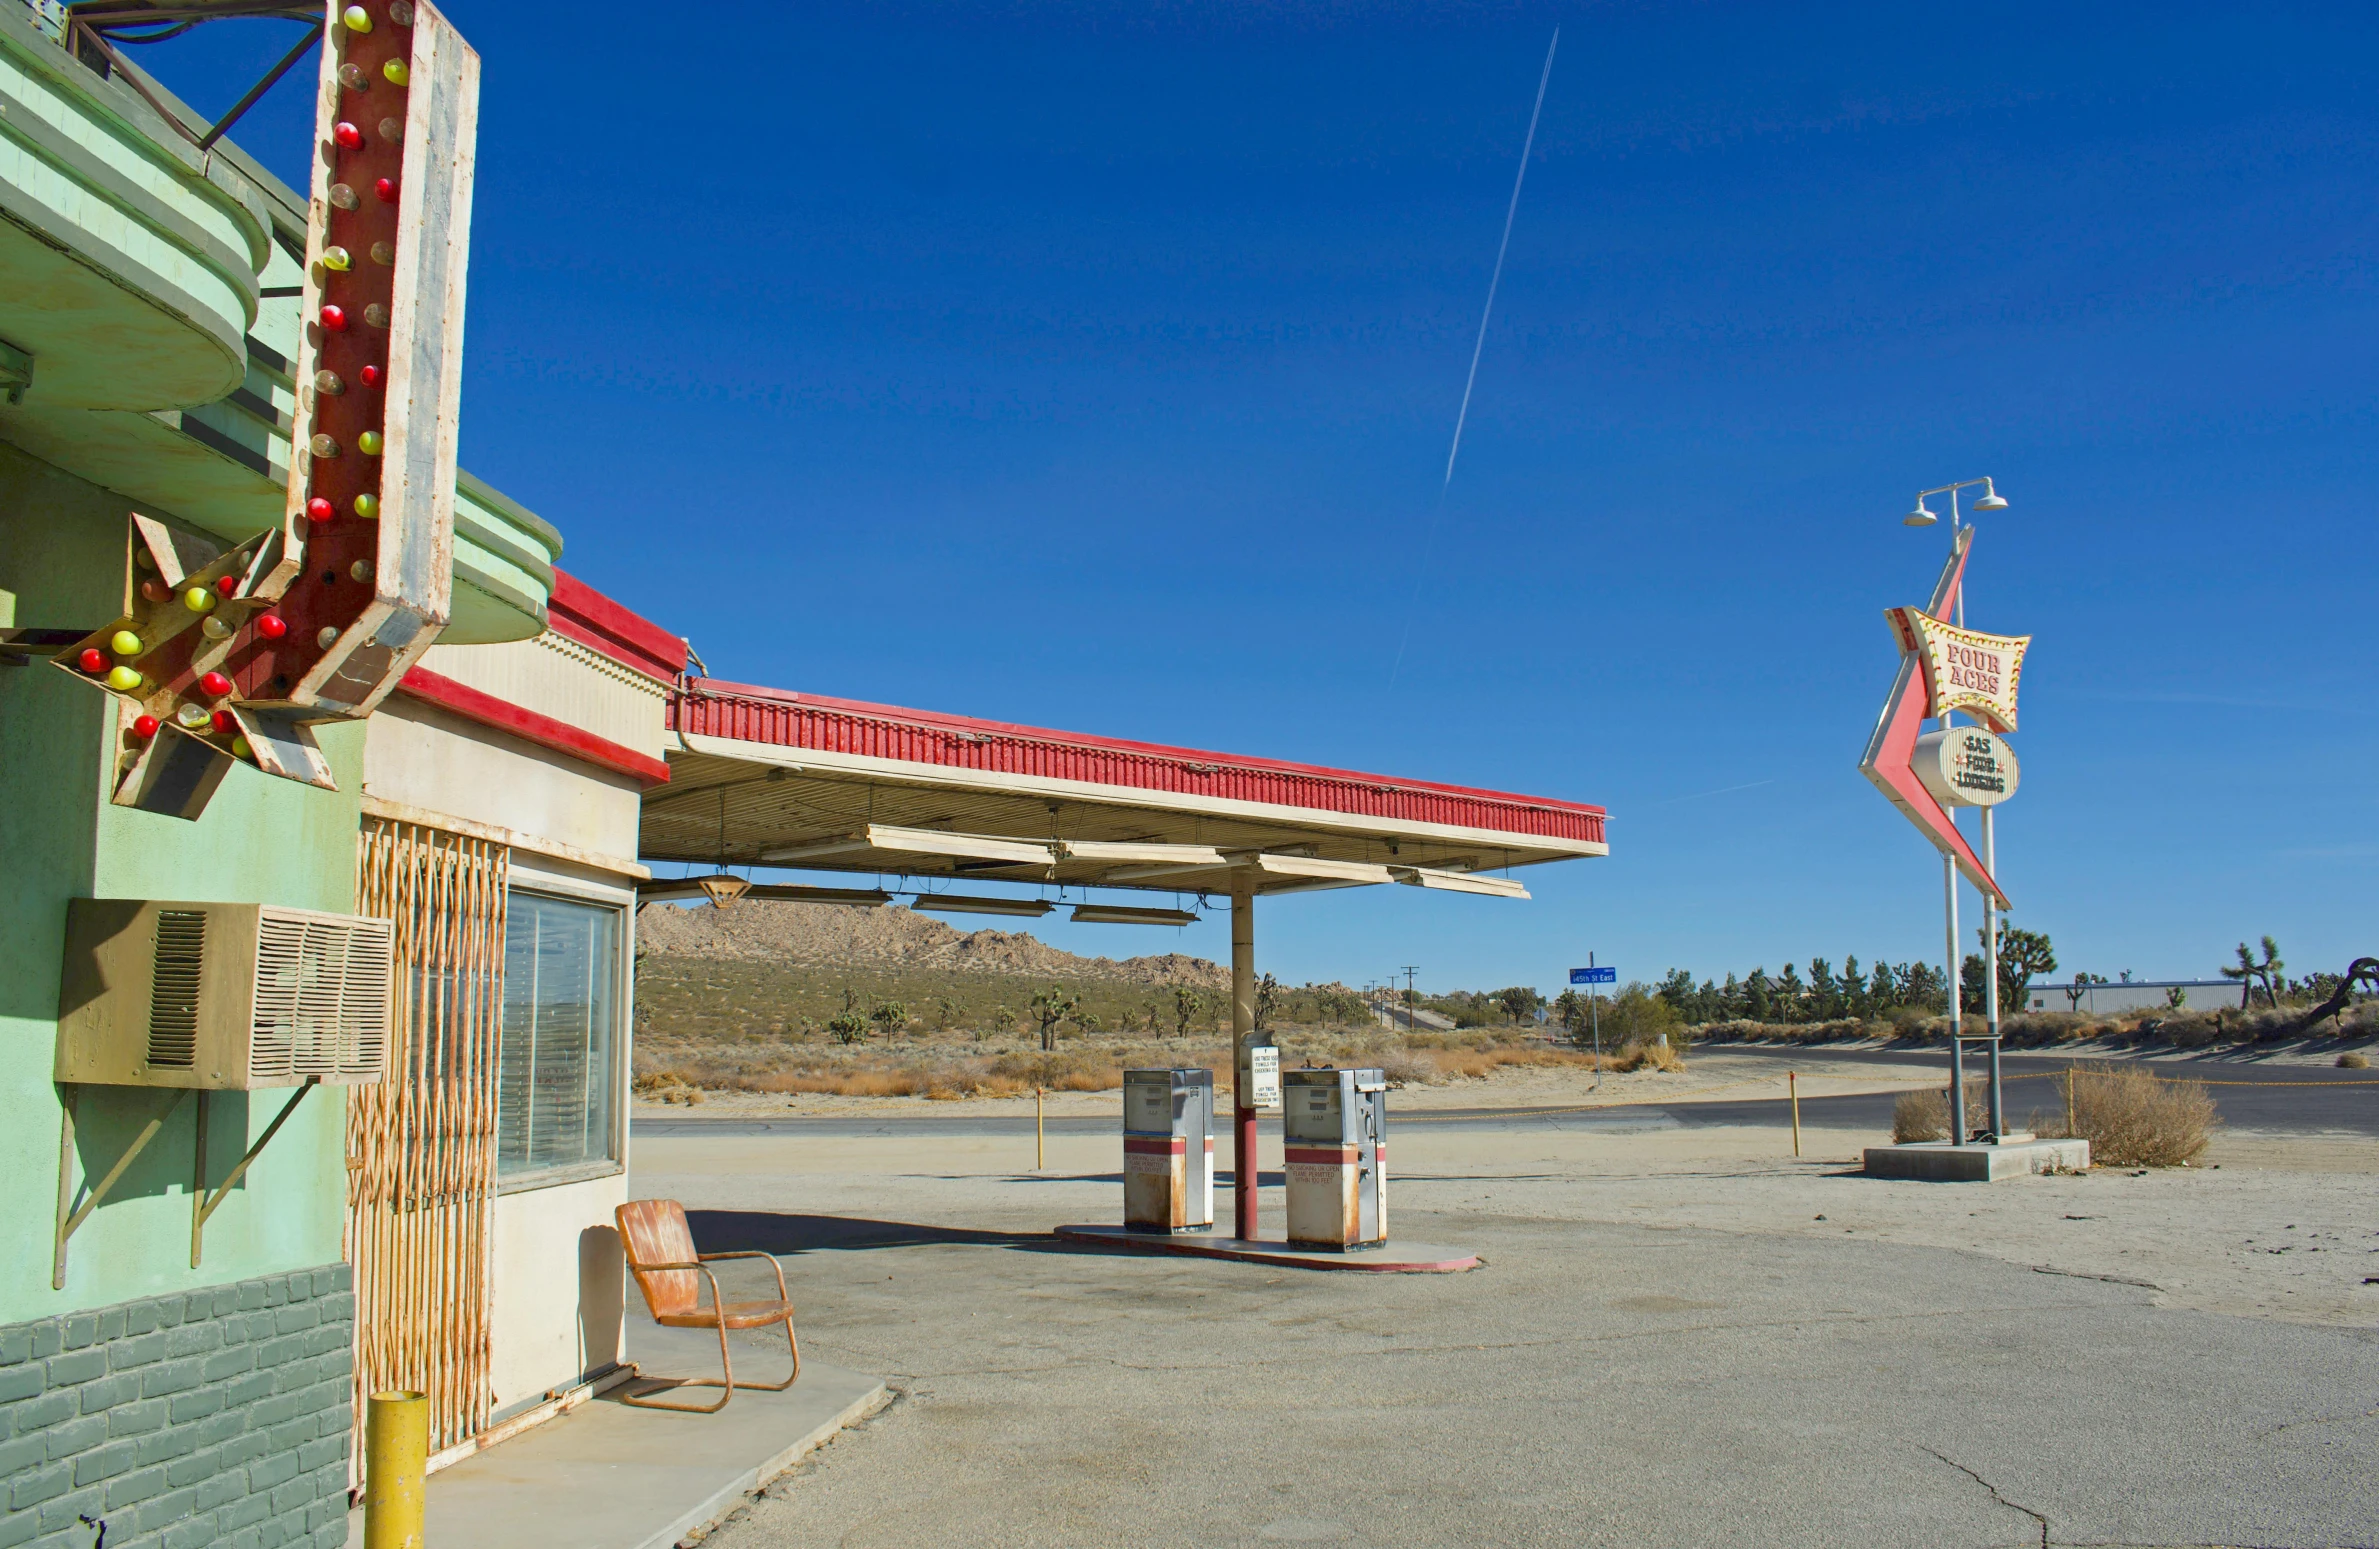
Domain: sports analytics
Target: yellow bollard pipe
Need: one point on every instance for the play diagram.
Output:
(1792, 1084)
(396, 1456)
(1040, 1145)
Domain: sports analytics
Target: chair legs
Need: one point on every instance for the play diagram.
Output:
(727, 1368)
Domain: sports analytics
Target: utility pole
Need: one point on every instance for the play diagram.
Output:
(1409, 970)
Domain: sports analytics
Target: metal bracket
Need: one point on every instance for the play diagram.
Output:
(69, 1216)
(201, 1204)
(16, 372)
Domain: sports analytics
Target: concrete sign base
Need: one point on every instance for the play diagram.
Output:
(1937, 1161)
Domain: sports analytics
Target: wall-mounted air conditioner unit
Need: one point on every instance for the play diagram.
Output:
(223, 997)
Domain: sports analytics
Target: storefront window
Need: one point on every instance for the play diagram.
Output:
(561, 1036)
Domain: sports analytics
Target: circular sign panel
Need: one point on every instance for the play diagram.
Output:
(1966, 766)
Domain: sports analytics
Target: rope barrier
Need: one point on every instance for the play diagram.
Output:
(1472, 1115)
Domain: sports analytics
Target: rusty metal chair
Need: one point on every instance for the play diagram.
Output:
(660, 1251)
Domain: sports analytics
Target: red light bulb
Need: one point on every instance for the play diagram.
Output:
(228, 586)
(369, 376)
(214, 685)
(144, 727)
(272, 626)
(386, 189)
(320, 509)
(349, 137)
(334, 318)
(93, 661)
(223, 723)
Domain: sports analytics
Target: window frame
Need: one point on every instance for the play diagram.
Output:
(545, 882)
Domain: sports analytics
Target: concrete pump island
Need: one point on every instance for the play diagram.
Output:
(367, 1193)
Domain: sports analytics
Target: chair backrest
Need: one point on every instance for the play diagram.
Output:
(654, 1231)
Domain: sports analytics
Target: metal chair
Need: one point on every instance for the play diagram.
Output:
(660, 1251)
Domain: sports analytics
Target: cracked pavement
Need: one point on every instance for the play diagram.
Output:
(1612, 1376)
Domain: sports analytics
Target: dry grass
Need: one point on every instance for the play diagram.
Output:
(955, 1066)
(1649, 1056)
(2354, 1062)
(2136, 1118)
(1920, 1115)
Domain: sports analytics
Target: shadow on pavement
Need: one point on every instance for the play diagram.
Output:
(783, 1234)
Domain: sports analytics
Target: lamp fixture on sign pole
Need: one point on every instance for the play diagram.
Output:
(1923, 516)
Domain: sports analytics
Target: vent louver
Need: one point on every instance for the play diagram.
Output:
(178, 960)
(321, 997)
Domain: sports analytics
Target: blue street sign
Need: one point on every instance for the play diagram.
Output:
(1594, 976)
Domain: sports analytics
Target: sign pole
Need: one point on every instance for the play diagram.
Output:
(1991, 977)
(1957, 1040)
(1594, 1010)
(1949, 888)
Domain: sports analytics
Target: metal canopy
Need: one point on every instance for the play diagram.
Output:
(760, 777)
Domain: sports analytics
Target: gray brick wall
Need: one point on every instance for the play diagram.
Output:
(214, 1417)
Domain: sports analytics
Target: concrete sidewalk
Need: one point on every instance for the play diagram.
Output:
(610, 1476)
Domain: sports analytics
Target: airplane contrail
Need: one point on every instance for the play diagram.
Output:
(1477, 348)
(1510, 211)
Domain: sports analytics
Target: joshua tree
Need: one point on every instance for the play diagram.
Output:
(1267, 996)
(1187, 1003)
(1050, 1007)
(2250, 973)
(2024, 955)
(1002, 1019)
(889, 1015)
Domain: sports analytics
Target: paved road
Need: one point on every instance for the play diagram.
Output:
(2281, 1099)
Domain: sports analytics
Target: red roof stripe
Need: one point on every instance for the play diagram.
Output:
(503, 715)
(744, 713)
(579, 612)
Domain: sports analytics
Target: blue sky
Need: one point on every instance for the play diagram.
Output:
(1095, 369)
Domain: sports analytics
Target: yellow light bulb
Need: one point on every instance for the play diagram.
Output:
(123, 680)
(124, 643)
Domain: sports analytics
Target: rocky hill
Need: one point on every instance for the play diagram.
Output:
(891, 939)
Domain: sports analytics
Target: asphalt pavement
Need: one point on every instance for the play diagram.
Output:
(2265, 1098)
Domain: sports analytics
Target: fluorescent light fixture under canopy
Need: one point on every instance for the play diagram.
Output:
(1119, 914)
(953, 903)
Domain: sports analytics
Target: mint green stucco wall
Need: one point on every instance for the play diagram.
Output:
(62, 553)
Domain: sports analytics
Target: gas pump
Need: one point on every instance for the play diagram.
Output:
(1168, 1150)
(1334, 1133)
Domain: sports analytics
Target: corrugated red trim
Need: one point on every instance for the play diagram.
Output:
(745, 713)
(486, 709)
(579, 612)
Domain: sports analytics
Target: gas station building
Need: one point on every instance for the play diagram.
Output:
(205, 1277)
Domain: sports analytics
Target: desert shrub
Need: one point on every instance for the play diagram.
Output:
(1919, 1115)
(1634, 1016)
(1655, 1056)
(2354, 1062)
(2135, 1118)
(1407, 1068)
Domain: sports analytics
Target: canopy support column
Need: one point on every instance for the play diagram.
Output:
(1243, 1026)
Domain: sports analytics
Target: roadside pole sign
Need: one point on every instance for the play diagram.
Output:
(1594, 976)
